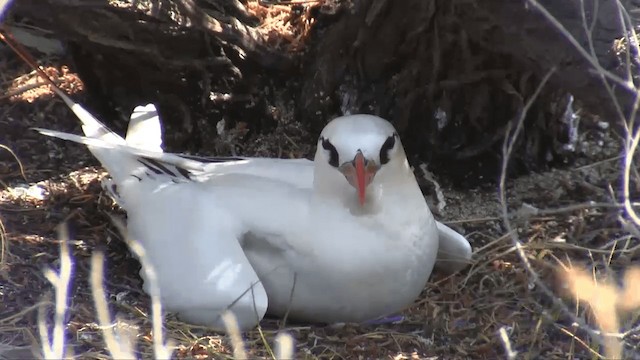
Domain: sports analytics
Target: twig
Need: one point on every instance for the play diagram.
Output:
(593, 58)
(4, 246)
(626, 84)
(284, 346)
(118, 349)
(4, 6)
(54, 348)
(507, 149)
(17, 160)
(630, 148)
(506, 343)
(231, 324)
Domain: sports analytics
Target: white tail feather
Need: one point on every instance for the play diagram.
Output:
(124, 150)
(91, 126)
(144, 130)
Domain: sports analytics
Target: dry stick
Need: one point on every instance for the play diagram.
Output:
(286, 313)
(586, 346)
(265, 342)
(593, 57)
(628, 126)
(506, 343)
(45, 341)
(161, 350)
(625, 31)
(262, 337)
(581, 206)
(54, 348)
(631, 143)
(603, 73)
(630, 150)
(629, 27)
(118, 349)
(4, 6)
(628, 160)
(594, 62)
(250, 288)
(4, 245)
(284, 346)
(231, 323)
(632, 136)
(5, 147)
(629, 122)
(507, 149)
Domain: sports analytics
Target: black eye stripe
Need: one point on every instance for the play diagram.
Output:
(386, 147)
(333, 153)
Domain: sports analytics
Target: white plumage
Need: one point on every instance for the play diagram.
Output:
(347, 237)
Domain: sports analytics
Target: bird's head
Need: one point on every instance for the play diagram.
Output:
(356, 156)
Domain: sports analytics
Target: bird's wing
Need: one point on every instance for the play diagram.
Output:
(189, 214)
(191, 239)
(193, 232)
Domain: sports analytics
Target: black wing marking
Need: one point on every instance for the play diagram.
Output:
(179, 173)
(160, 168)
(184, 172)
(149, 166)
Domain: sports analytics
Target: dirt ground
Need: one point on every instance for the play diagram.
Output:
(564, 216)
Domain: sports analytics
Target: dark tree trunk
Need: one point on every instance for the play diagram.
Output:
(450, 74)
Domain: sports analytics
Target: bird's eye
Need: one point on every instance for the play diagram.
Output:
(333, 153)
(386, 148)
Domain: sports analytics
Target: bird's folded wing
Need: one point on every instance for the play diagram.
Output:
(192, 241)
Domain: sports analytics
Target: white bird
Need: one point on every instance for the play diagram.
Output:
(347, 237)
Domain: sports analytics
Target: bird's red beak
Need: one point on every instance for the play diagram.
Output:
(359, 174)
(361, 177)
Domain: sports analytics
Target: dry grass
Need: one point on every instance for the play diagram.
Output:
(31, 87)
(547, 280)
(282, 23)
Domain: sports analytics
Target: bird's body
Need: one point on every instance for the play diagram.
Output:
(333, 240)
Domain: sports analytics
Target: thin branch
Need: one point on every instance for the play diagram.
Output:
(118, 349)
(507, 150)
(626, 84)
(54, 346)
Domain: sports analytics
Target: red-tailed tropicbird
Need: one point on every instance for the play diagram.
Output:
(347, 237)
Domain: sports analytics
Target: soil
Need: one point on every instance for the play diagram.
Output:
(564, 216)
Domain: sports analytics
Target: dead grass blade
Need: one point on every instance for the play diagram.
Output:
(54, 347)
(119, 349)
(607, 302)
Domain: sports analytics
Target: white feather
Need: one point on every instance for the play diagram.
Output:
(287, 235)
